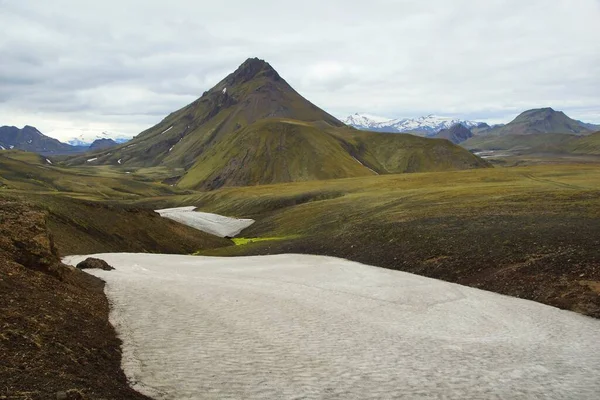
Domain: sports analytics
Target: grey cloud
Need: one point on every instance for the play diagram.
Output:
(121, 65)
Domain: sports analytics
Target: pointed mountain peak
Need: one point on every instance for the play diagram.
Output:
(250, 69)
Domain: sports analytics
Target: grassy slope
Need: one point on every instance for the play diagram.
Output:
(272, 151)
(399, 153)
(80, 224)
(22, 171)
(282, 150)
(540, 142)
(585, 145)
(530, 232)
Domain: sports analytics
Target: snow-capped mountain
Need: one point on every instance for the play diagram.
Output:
(364, 121)
(429, 125)
(86, 139)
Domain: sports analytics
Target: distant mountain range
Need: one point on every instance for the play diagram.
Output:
(427, 126)
(88, 138)
(542, 120)
(539, 131)
(31, 139)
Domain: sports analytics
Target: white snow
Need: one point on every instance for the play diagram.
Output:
(167, 130)
(171, 148)
(92, 159)
(86, 139)
(214, 224)
(131, 145)
(311, 327)
(119, 160)
(360, 162)
(11, 147)
(29, 141)
(428, 125)
(224, 90)
(48, 161)
(2, 147)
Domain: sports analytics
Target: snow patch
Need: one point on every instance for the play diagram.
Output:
(300, 326)
(92, 159)
(167, 130)
(427, 125)
(214, 224)
(48, 161)
(119, 161)
(2, 147)
(224, 90)
(360, 162)
(171, 148)
(11, 147)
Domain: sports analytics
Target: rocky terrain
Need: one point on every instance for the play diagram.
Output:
(55, 338)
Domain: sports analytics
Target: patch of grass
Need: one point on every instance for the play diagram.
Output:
(525, 231)
(245, 241)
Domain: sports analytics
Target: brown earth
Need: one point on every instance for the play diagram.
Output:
(552, 259)
(55, 338)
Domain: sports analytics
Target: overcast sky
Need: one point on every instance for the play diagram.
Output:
(76, 66)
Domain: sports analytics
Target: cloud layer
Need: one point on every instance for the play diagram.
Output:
(70, 66)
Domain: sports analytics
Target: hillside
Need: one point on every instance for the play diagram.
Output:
(540, 143)
(585, 145)
(542, 120)
(23, 171)
(279, 150)
(101, 144)
(529, 232)
(254, 128)
(456, 134)
(31, 139)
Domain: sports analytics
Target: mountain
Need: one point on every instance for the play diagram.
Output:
(427, 126)
(100, 144)
(541, 120)
(456, 133)
(86, 139)
(31, 139)
(365, 121)
(538, 143)
(254, 128)
(591, 127)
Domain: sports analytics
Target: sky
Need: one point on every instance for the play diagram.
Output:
(72, 67)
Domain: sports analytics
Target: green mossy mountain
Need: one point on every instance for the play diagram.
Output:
(254, 128)
(541, 120)
(457, 133)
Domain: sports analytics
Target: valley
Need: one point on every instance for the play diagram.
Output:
(251, 221)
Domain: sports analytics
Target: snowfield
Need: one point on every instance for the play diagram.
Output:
(312, 327)
(214, 224)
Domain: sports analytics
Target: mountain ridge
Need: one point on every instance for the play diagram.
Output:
(252, 127)
(427, 126)
(31, 139)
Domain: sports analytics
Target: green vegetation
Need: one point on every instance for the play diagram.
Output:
(531, 232)
(253, 128)
(23, 172)
(245, 241)
(540, 142)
